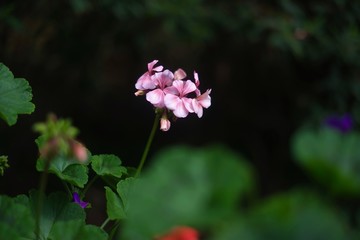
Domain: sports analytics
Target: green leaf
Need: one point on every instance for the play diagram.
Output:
(76, 229)
(69, 170)
(15, 96)
(331, 157)
(16, 220)
(117, 204)
(3, 164)
(296, 215)
(124, 188)
(187, 186)
(107, 164)
(114, 206)
(57, 208)
(299, 214)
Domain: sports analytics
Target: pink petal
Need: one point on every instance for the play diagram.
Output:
(145, 82)
(180, 111)
(199, 112)
(171, 101)
(188, 104)
(171, 90)
(188, 87)
(178, 84)
(197, 83)
(174, 103)
(156, 97)
(184, 87)
(151, 65)
(196, 77)
(179, 74)
(158, 69)
(198, 109)
(163, 79)
(205, 99)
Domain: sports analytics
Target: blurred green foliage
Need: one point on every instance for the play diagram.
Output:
(331, 157)
(187, 186)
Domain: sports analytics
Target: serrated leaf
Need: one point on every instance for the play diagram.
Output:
(57, 208)
(16, 219)
(69, 170)
(107, 164)
(15, 96)
(76, 229)
(114, 206)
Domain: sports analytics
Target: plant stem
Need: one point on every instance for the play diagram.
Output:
(88, 186)
(42, 187)
(104, 223)
(148, 144)
(67, 189)
(113, 230)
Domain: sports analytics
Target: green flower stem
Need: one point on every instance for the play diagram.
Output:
(88, 186)
(42, 187)
(67, 189)
(113, 230)
(104, 223)
(148, 144)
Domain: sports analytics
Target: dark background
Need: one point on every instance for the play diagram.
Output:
(271, 65)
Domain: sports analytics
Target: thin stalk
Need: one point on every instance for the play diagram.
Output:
(67, 189)
(148, 144)
(88, 186)
(42, 187)
(113, 230)
(104, 223)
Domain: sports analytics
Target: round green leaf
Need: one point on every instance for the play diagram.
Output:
(15, 96)
(107, 164)
(69, 170)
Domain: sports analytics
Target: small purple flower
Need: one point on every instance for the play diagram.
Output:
(342, 123)
(78, 200)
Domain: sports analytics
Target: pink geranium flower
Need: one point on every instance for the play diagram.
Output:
(145, 82)
(176, 100)
(162, 80)
(170, 94)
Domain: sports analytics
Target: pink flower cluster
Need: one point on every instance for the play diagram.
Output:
(171, 93)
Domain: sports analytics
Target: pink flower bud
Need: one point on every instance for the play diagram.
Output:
(139, 93)
(164, 123)
(50, 148)
(79, 151)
